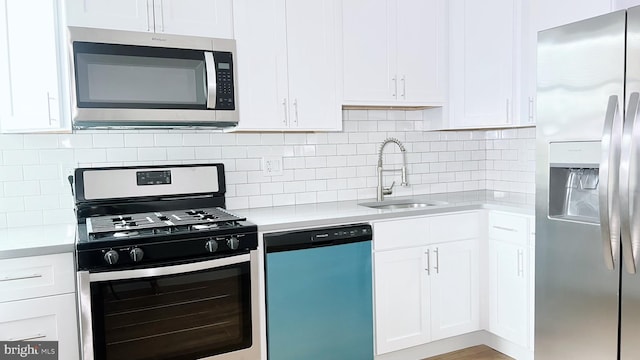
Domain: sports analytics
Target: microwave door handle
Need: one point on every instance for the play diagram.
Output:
(168, 270)
(212, 76)
(628, 182)
(608, 192)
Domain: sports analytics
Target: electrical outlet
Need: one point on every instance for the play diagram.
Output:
(272, 166)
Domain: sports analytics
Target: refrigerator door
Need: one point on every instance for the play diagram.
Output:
(630, 193)
(580, 85)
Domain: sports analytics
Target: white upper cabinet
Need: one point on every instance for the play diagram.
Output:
(287, 65)
(30, 91)
(394, 52)
(209, 18)
(482, 62)
(135, 15)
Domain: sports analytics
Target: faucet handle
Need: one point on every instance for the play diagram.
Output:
(389, 190)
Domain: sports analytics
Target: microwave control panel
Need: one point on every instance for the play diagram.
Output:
(224, 72)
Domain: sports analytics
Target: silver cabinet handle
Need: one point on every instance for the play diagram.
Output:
(404, 87)
(530, 109)
(25, 277)
(504, 228)
(508, 110)
(49, 107)
(437, 267)
(608, 193)
(628, 177)
(284, 105)
(395, 87)
(295, 109)
(27, 338)
(520, 263)
(161, 15)
(427, 262)
(212, 80)
(148, 17)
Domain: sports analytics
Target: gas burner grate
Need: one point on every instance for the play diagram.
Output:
(160, 223)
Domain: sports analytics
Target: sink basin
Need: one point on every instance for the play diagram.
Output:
(401, 204)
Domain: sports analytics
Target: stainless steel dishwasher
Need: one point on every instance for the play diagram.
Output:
(319, 293)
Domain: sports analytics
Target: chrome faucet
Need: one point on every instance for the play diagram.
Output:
(382, 191)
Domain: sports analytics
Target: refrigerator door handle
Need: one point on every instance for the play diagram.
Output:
(608, 188)
(628, 181)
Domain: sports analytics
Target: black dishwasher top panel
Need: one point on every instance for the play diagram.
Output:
(315, 237)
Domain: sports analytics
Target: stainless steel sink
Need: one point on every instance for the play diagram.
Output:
(401, 204)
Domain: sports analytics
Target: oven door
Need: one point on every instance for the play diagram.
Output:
(198, 310)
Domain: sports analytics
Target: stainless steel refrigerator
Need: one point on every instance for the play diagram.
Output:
(587, 190)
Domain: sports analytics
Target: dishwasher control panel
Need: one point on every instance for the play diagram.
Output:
(326, 236)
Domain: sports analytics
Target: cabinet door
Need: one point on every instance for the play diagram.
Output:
(369, 48)
(135, 15)
(208, 18)
(454, 289)
(260, 30)
(29, 90)
(401, 299)
(508, 291)
(482, 62)
(51, 318)
(420, 51)
(313, 74)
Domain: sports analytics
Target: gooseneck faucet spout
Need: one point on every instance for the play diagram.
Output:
(382, 191)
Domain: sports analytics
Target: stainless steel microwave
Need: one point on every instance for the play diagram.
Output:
(123, 79)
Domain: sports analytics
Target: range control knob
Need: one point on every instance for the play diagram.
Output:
(233, 242)
(136, 254)
(111, 257)
(211, 245)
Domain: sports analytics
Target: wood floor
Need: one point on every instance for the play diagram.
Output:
(481, 352)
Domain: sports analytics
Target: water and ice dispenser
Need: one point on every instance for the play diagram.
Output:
(573, 180)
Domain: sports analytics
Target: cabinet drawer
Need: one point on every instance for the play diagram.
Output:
(51, 318)
(508, 227)
(453, 227)
(400, 233)
(29, 277)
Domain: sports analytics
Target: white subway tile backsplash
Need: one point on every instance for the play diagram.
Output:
(20, 157)
(41, 141)
(317, 167)
(122, 154)
(108, 140)
(139, 140)
(181, 153)
(21, 188)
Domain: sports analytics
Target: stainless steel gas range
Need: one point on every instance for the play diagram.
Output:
(164, 270)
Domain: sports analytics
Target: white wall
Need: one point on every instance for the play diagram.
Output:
(318, 167)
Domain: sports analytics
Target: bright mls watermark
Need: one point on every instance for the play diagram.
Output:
(29, 350)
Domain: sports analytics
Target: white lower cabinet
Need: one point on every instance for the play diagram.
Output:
(509, 291)
(401, 299)
(38, 301)
(424, 293)
(455, 307)
(511, 271)
(50, 318)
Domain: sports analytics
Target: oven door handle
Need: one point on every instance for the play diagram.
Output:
(168, 270)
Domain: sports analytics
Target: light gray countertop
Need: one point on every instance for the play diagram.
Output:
(342, 212)
(37, 240)
(51, 239)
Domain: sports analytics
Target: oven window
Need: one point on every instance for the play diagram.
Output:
(186, 316)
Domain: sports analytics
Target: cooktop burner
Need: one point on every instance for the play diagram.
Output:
(160, 223)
